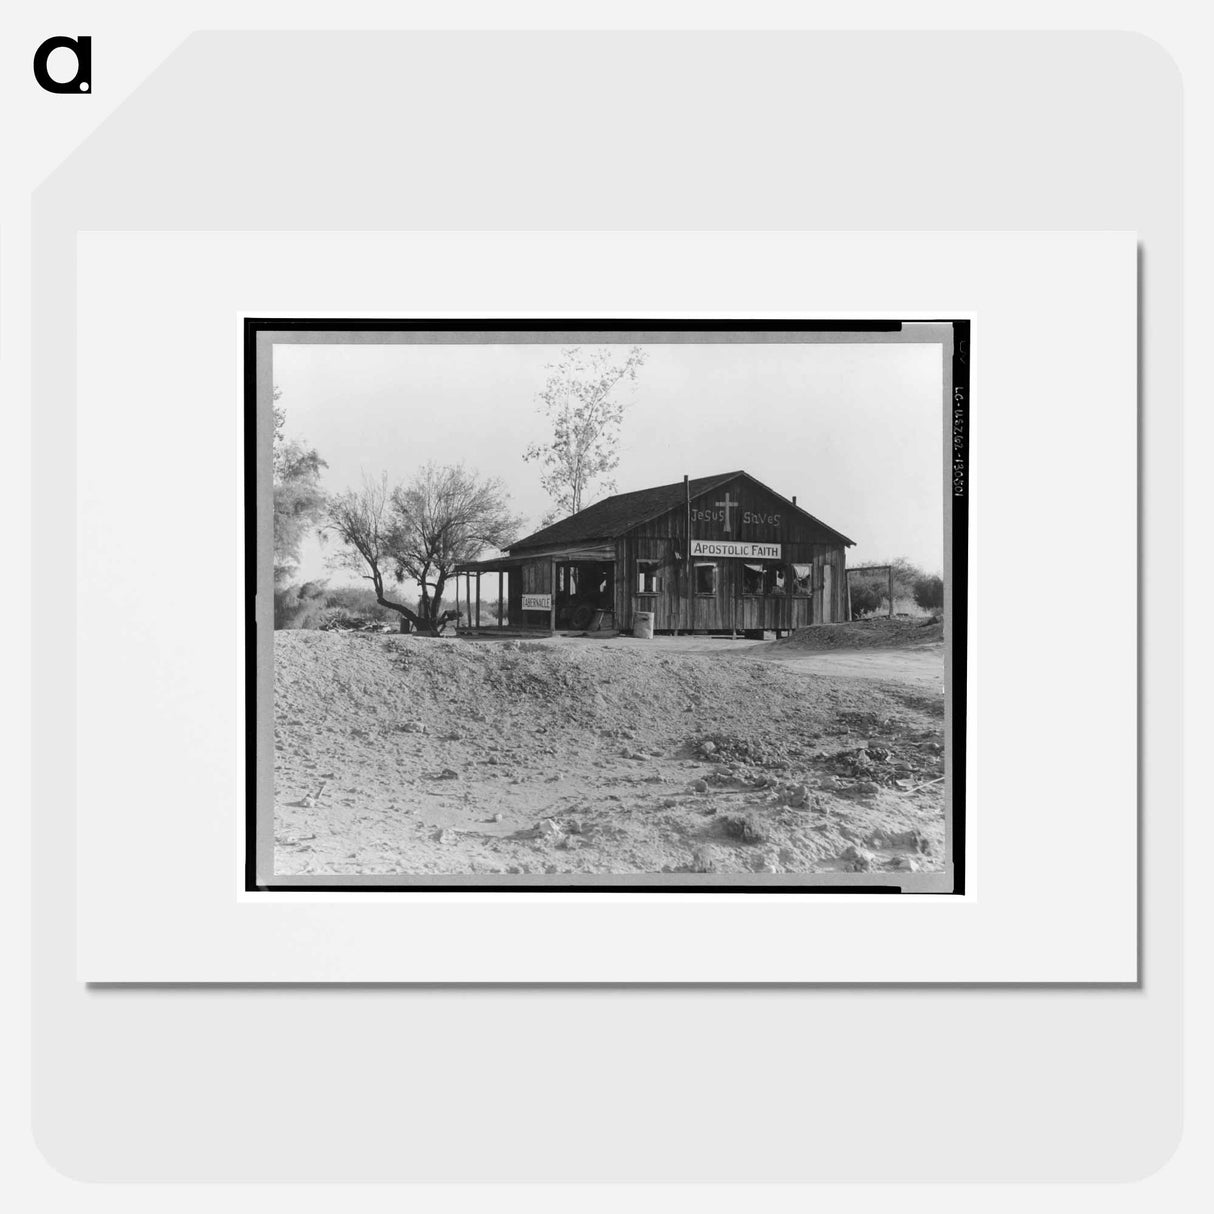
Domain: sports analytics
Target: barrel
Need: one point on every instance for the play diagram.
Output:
(643, 627)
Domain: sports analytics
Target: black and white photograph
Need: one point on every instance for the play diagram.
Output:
(606, 605)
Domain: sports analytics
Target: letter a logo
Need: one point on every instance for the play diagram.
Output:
(82, 81)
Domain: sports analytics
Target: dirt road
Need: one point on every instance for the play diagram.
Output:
(921, 665)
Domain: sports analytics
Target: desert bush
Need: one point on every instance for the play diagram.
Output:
(299, 606)
(357, 601)
(929, 592)
(317, 605)
(913, 587)
(867, 597)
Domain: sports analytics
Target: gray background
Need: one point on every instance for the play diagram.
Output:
(712, 131)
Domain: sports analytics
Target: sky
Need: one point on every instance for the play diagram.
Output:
(854, 430)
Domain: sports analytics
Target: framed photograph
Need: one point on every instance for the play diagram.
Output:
(606, 605)
(782, 783)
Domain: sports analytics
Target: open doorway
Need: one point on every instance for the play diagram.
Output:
(582, 589)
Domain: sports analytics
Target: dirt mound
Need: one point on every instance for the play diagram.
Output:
(867, 634)
(407, 754)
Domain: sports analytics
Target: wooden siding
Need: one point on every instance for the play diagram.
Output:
(755, 516)
(535, 577)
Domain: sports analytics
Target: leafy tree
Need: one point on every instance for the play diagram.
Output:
(299, 502)
(419, 532)
(581, 400)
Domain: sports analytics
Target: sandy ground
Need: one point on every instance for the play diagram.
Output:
(398, 754)
(922, 664)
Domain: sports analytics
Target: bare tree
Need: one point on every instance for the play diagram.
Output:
(361, 519)
(444, 517)
(420, 532)
(581, 400)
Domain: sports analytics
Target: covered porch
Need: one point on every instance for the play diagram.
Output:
(539, 592)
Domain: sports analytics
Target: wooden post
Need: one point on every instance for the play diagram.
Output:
(552, 597)
(847, 583)
(890, 572)
(456, 602)
(478, 598)
(500, 578)
(689, 592)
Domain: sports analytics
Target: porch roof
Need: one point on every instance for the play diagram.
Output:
(602, 553)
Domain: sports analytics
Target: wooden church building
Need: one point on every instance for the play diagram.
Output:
(711, 554)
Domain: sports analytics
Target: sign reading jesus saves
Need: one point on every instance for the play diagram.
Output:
(723, 512)
(765, 552)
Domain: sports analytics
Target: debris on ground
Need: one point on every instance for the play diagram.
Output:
(542, 756)
(877, 633)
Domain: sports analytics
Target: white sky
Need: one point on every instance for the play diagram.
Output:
(853, 430)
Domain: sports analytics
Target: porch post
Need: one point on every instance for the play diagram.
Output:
(500, 578)
(552, 595)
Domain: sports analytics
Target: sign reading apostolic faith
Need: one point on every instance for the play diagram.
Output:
(537, 602)
(767, 552)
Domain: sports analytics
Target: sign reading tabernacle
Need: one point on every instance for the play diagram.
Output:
(537, 602)
(769, 552)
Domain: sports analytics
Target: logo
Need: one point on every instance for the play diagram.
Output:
(82, 81)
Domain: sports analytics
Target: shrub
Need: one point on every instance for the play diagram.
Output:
(359, 602)
(299, 606)
(870, 591)
(929, 592)
(867, 597)
(314, 604)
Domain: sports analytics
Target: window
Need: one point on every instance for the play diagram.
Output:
(802, 579)
(706, 577)
(649, 581)
(764, 577)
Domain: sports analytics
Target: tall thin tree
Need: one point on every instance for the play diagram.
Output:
(582, 399)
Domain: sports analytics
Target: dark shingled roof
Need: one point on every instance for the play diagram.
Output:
(613, 516)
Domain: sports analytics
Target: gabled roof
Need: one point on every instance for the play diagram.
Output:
(613, 516)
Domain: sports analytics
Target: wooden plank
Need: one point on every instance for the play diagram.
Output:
(688, 571)
(676, 606)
